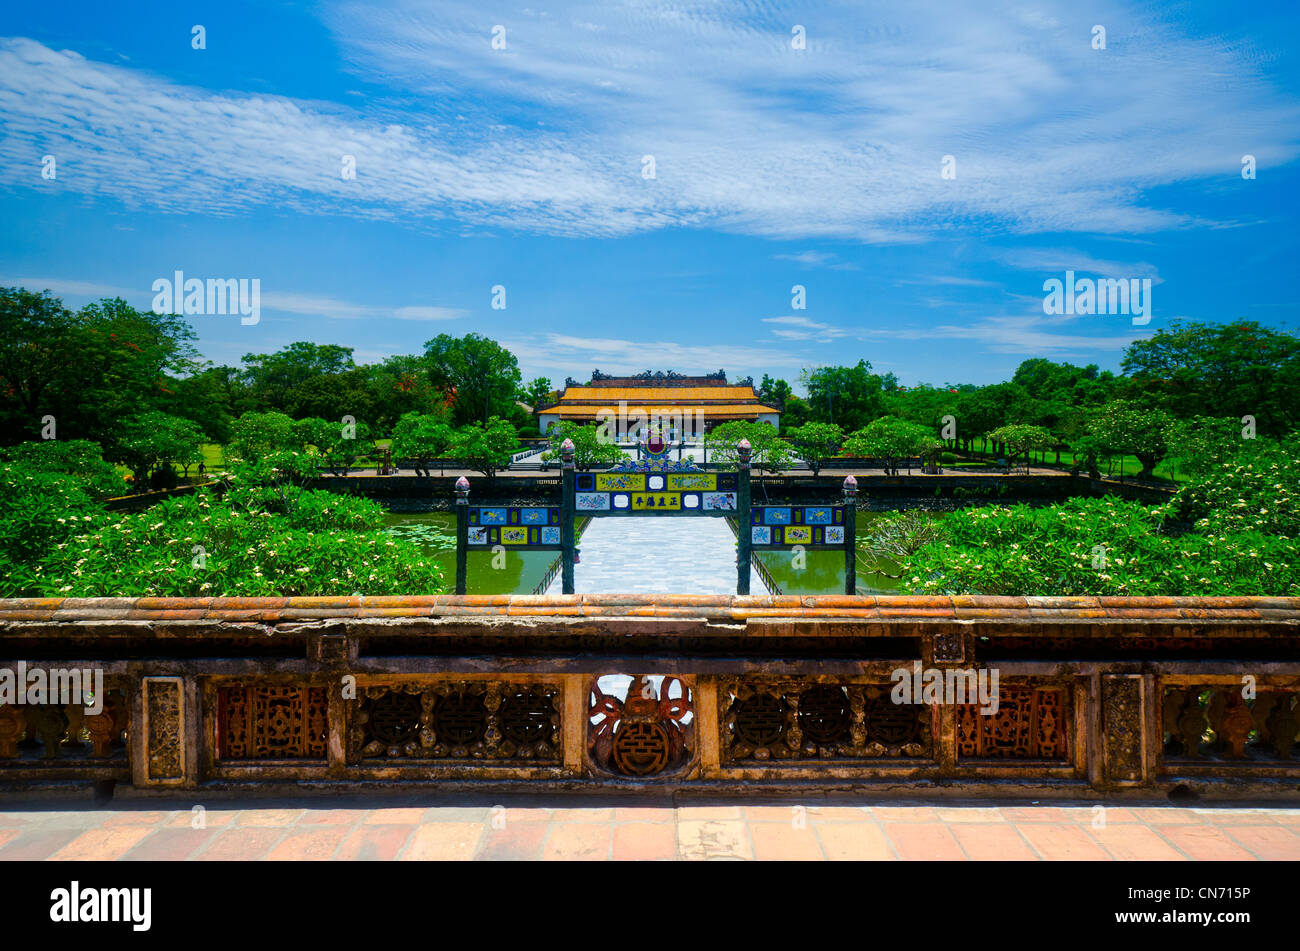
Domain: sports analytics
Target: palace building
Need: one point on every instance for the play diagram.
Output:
(668, 401)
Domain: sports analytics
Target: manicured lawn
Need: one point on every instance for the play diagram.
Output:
(1128, 466)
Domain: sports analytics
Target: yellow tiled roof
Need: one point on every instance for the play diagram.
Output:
(654, 394)
(728, 410)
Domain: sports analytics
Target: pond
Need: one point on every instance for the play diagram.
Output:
(822, 572)
(515, 572)
(520, 572)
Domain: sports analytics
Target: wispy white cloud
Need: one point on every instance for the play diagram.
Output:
(1053, 261)
(61, 287)
(840, 140)
(1029, 335)
(819, 259)
(555, 354)
(803, 328)
(309, 305)
(950, 281)
(313, 305)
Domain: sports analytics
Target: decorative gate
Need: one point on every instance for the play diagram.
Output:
(656, 486)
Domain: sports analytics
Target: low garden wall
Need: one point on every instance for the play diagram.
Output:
(1096, 697)
(438, 491)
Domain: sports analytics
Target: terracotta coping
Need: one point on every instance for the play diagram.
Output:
(714, 607)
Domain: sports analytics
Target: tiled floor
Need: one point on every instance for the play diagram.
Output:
(347, 829)
(648, 555)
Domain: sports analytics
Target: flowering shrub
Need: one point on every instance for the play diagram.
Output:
(1103, 546)
(78, 458)
(38, 510)
(199, 545)
(1258, 490)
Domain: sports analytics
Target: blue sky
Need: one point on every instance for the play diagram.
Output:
(774, 166)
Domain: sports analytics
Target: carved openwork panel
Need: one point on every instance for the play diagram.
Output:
(271, 722)
(164, 729)
(451, 720)
(1221, 722)
(803, 720)
(642, 730)
(1122, 728)
(1031, 722)
(949, 648)
(51, 734)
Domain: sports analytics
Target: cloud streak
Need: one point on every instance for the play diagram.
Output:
(842, 140)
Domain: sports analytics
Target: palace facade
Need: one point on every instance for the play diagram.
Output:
(671, 402)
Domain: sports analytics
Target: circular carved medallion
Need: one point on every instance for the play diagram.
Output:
(395, 718)
(891, 723)
(824, 715)
(760, 720)
(526, 717)
(640, 748)
(460, 718)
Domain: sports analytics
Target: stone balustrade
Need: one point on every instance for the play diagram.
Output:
(1114, 697)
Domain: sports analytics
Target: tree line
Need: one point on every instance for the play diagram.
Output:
(132, 382)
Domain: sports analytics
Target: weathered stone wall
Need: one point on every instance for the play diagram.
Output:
(1097, 696)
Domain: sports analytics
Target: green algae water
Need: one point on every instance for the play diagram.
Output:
(822, 571)
(519, 572)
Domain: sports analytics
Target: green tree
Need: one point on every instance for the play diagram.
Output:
(815, 442)
(850, 397)
(88, 370)
(924, 405)
(339, 445)
(537, 392)
(255, 435)
(481, 376)
(421, 438)
(1021, 439)
(37, 332)
(774, 393)
(117, 367)
(211, 397)
(1129, 428)
(277, 379)
(155, 441)
(768, 451)
(334, 395)
(590, 449)
(486, 448)
(1237, 369)
(982, 410)
(892, 440)
(795, 412)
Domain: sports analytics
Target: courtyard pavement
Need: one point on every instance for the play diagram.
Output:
(411, 829)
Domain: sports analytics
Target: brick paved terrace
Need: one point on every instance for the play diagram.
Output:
(547, 828)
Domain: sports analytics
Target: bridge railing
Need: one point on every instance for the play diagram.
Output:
(1067, 697)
